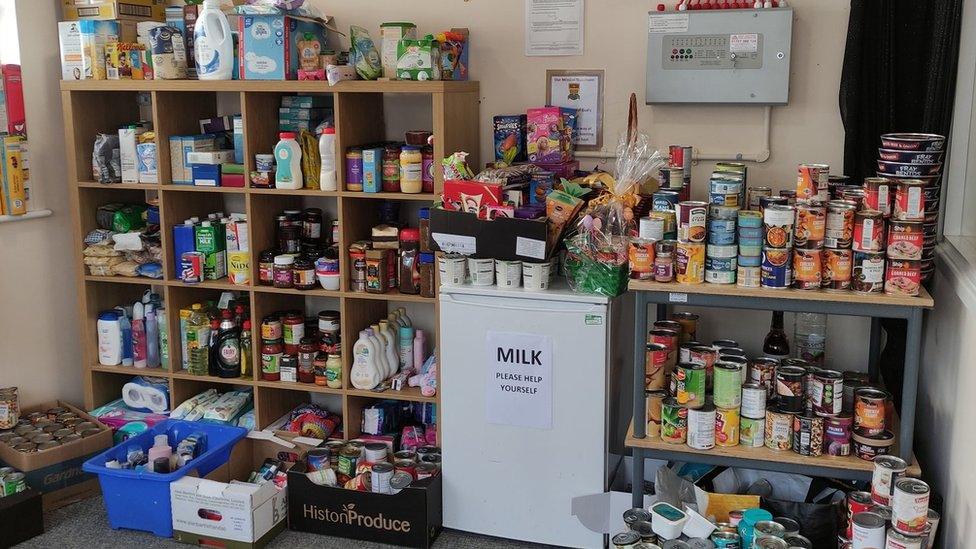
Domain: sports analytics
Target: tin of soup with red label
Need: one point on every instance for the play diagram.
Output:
(868, 272)
(910, 506)
(811, 223)
(909, 200)
(692, 221)
(869, 231)
(878, 194)
(905, 240)
(903, 277)
(857, 502)
(807, 269)
(839, 224)
(835, 268)
(668, 338)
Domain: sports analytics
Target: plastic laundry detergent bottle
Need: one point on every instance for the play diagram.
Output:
(327, 178)
(365, 371)
(288, 155)
(389, 348)
(213, 45)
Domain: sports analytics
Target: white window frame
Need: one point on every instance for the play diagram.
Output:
(959, 198)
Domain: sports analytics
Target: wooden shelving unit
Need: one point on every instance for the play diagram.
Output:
(91, 107)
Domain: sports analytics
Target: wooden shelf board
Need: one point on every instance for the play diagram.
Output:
(182, 374)
(392, 295)
(411, 394)
(202, 189)
(273, 86)
(422, 197)
(131, 370)
(114, 186)
(127, 280)
(924, 300)
(221, 284)
(289, 386)
(317, 292)
(292, 192)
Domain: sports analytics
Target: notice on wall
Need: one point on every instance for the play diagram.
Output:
(553, 27)
(518, 383)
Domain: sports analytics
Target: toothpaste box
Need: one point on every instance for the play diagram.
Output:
(268, 46)
(83, 48)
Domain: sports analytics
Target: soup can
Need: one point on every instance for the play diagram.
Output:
(767, 201)
(869, 231)
(839, 224)
(778, 430)
(754, 194)
(651, 228)
(909, 200)
(837, 435)
(811, 182)
(727, 385)
(776, 271)
(727, 426)
(905, 240)
(690, 263)
(811, 225)
(753, 400)
(887, 470)
(701, 427)
(762, 370)
(690, 385)
(752, 432)
(868, 447)
(807, 269)
(656, 366)
(835, 269)
(868, 272)
(868, 530)
(879, 193)
(856, 502)
(692, 221)
(654, 401)
(910, 506)
(669, 338)
(674, 422)
(852, 193)
(870, 409)
(808, 435)
(778, 221)
(903, 277)
(897, 540)
(828, 392)
(789, 388)
(664, 200)
(689, 325)
(641, 256)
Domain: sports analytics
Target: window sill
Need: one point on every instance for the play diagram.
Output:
(35, 214)
(956, 261)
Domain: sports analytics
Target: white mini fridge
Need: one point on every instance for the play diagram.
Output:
(525, 407)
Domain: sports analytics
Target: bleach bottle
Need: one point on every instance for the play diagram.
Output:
(213, 44)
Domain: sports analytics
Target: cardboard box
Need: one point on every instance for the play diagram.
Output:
(234, 514)
(131, 10)
(14, 182)
(83, 48)
(128, 158)
(12, 114)
(268, 47)
(57, 473)
(21, 516)
(500, 238)
(412, 518)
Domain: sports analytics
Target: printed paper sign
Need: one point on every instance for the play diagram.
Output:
(456, 243)
(744, 43)
(667, 23)
(518, 384)
(530, 247)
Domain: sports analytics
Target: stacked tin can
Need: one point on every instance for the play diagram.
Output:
(726, 196)
(750, 230)
(895, 513)
(676, 176)
(776, 269)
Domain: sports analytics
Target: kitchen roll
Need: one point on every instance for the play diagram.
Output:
(147, 394)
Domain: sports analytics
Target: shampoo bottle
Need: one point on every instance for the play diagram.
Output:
(109, 338)
(138, 335)
(152, 337)
(126, 328)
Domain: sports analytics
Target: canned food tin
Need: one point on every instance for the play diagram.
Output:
(903, 277)
(655, 366)
(909, 200)
(722, 212)
(868, 530)
(768, 528)
(641, 256)
(807, 269)
(869, 231)
(625, 540)
(910, 506)
(636, 514)
(763, 371)
(870, 410)
(778, 221)
(789, 388)
(654, 400)
(668, 338)
(897, 540)
(754, 194)
(706, 356)
(790, 526)
(692, 221)
(868, 272)
(751, 432)
(726, 540)
(722, 225)
(669, 224)
(779, 430)
(776, 271)
(839, 224)
(690, 263)
(878, 194)
(689, 324)
(674, 422)
(810, 227)
(753, 399)
(887, 470)
(767, 201)
(701, 427)
(857, 502)
(727, 385)
(684, 350)
(905, 240)
(720, 277)
(835, 269)
(808, 435)
(811, 182)
(796, 541)
(837, 435)
(748, 277)
(723, 199)
(690, 385)
(651, 228)
(868, 447)
(664, 200)
(828, 393)
(727, 426)
(14, 483)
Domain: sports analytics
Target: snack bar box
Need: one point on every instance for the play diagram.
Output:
(132, 10)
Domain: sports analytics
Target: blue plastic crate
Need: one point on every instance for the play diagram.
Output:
(139, 500)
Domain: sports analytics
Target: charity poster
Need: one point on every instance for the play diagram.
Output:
(583, 92)
(553, 27)
(518, 381)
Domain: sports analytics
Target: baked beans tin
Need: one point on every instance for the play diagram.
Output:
(727, 384)
(868, 272)
(868, 447)
(879, 193)
(887, 470)
(674, 422)
(692, 221)
(701, 427)
(870, 409)
(727, 426)
(909, 200)
(690, 263)
(762, 370)
(751, 431)
(810, 226)
(828, 392)
(778, 430)
(857, 502)
(869, 231)
(808, 435)
(789, 388)
(839, 224)
(754, 194)
(753, 400)
(654, 400)
(778, 221)
(690, 385)
(767, 201)
(903, 277)
(837, 435)
(910, 506)
(835, 268)
(656, 366)
(776, 271)
(811, 182)
(897, 540)
(868, 530)
(807, 269)
(664, 200)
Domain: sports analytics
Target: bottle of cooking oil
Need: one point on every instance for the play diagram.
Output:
(198, 341)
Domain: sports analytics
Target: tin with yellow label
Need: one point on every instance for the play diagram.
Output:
(727, 426)
(690, 263)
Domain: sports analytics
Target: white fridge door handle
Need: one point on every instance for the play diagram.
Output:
(516, 304)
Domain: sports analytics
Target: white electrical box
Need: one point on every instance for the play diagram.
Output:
(737, 56)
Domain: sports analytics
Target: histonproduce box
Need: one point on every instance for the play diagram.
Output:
(56, 473)
(21, 517)
(411, 518)
(501, 238)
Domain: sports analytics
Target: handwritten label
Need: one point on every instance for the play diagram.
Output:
(456, 243)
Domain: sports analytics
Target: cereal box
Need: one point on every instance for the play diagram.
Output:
(510, 138)
(544, 130)
(83, 48)
(123, 61)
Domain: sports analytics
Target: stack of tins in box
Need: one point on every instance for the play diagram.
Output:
(704, 395)
(894, 514)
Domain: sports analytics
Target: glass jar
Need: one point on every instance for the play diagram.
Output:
(283, 275)
(335, 232)
(426, 268)
(293, 328)
(411, 166)
(312, 224)
(409, 276)
(333, 371)
(271, 353)
(307, 351)
(424, 223)
(271, 328)
(290, 238)
(289, 368)
(266, 267)
(391, 169)
(357, 260)
(664, 262)
(319, 365)
(303, 274)
(427, 167)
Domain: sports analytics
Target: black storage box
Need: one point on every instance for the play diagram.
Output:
(503, 238)
(412, 518)
(22, 517)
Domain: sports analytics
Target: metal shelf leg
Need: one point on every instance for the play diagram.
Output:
(874, 351)
(640, 403)
(909, 392)
(637, 490)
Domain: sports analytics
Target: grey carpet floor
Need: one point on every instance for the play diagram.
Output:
(84, 525)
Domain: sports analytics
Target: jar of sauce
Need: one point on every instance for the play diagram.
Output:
(266, 268)
(411, 168)
(271, 328)
(290, 238)
(319, 365)
(329, 322)
(391, 169)
(271, 353)
(283, 275)
(427, 165)
(357, 259)
(664, 261)
(312, 224)
(293, 328)
(354, 170)
(303, 273)
(307, 351)
(333, 371)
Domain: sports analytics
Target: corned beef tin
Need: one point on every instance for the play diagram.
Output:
(903, 277)
(905, 240)
(909, 200)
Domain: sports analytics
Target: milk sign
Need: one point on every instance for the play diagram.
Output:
(518, 383)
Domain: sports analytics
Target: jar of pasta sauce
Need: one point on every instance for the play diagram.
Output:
(266, 267)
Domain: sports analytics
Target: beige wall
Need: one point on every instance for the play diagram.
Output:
(38, 310)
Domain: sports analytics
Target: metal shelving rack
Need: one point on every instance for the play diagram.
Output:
(875, 306)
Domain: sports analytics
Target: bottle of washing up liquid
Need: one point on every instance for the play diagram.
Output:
(126, 327)
(152, 337)
(109, 338)
(288, 155)
(389, 348)
(213, 44)
(327, 178)
(226, 351)
(138, 335)
(419, 340)
(365, 371)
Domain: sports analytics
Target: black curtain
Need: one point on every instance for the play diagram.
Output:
(899, 75)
